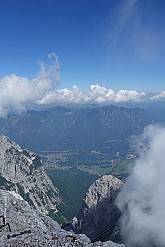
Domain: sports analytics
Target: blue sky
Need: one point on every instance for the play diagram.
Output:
(116, 44)
(119, 44)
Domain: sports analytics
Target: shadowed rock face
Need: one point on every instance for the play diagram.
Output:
(31, 228)
(22, 171)
(99, 216)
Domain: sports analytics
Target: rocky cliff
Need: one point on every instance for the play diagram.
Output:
(99, 216)
(23, 226)
(22, 171)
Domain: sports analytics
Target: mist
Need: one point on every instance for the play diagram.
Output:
(143, 41)
(142, 200)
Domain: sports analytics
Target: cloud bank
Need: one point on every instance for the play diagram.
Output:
(143, 197)
(19, 93)
(158, 96)
(95, 94)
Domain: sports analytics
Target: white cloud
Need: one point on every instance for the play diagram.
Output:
(20, 93)
(95, 94)
(143, 197)
(16, 93)
(158, 96)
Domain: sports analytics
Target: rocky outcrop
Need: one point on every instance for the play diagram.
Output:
(99, 216)
(22, 171)
(31, 228)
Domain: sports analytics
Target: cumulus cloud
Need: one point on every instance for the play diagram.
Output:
(95, 94)
(159, 96)
(142, 199)
(16, 93)
(20, 93)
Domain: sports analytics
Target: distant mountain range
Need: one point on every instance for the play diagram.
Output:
(106, 128)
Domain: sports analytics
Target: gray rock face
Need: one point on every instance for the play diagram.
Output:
(30, 228)
(99, 216)
(22, 171)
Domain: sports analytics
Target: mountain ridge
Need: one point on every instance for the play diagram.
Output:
(62, 128)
